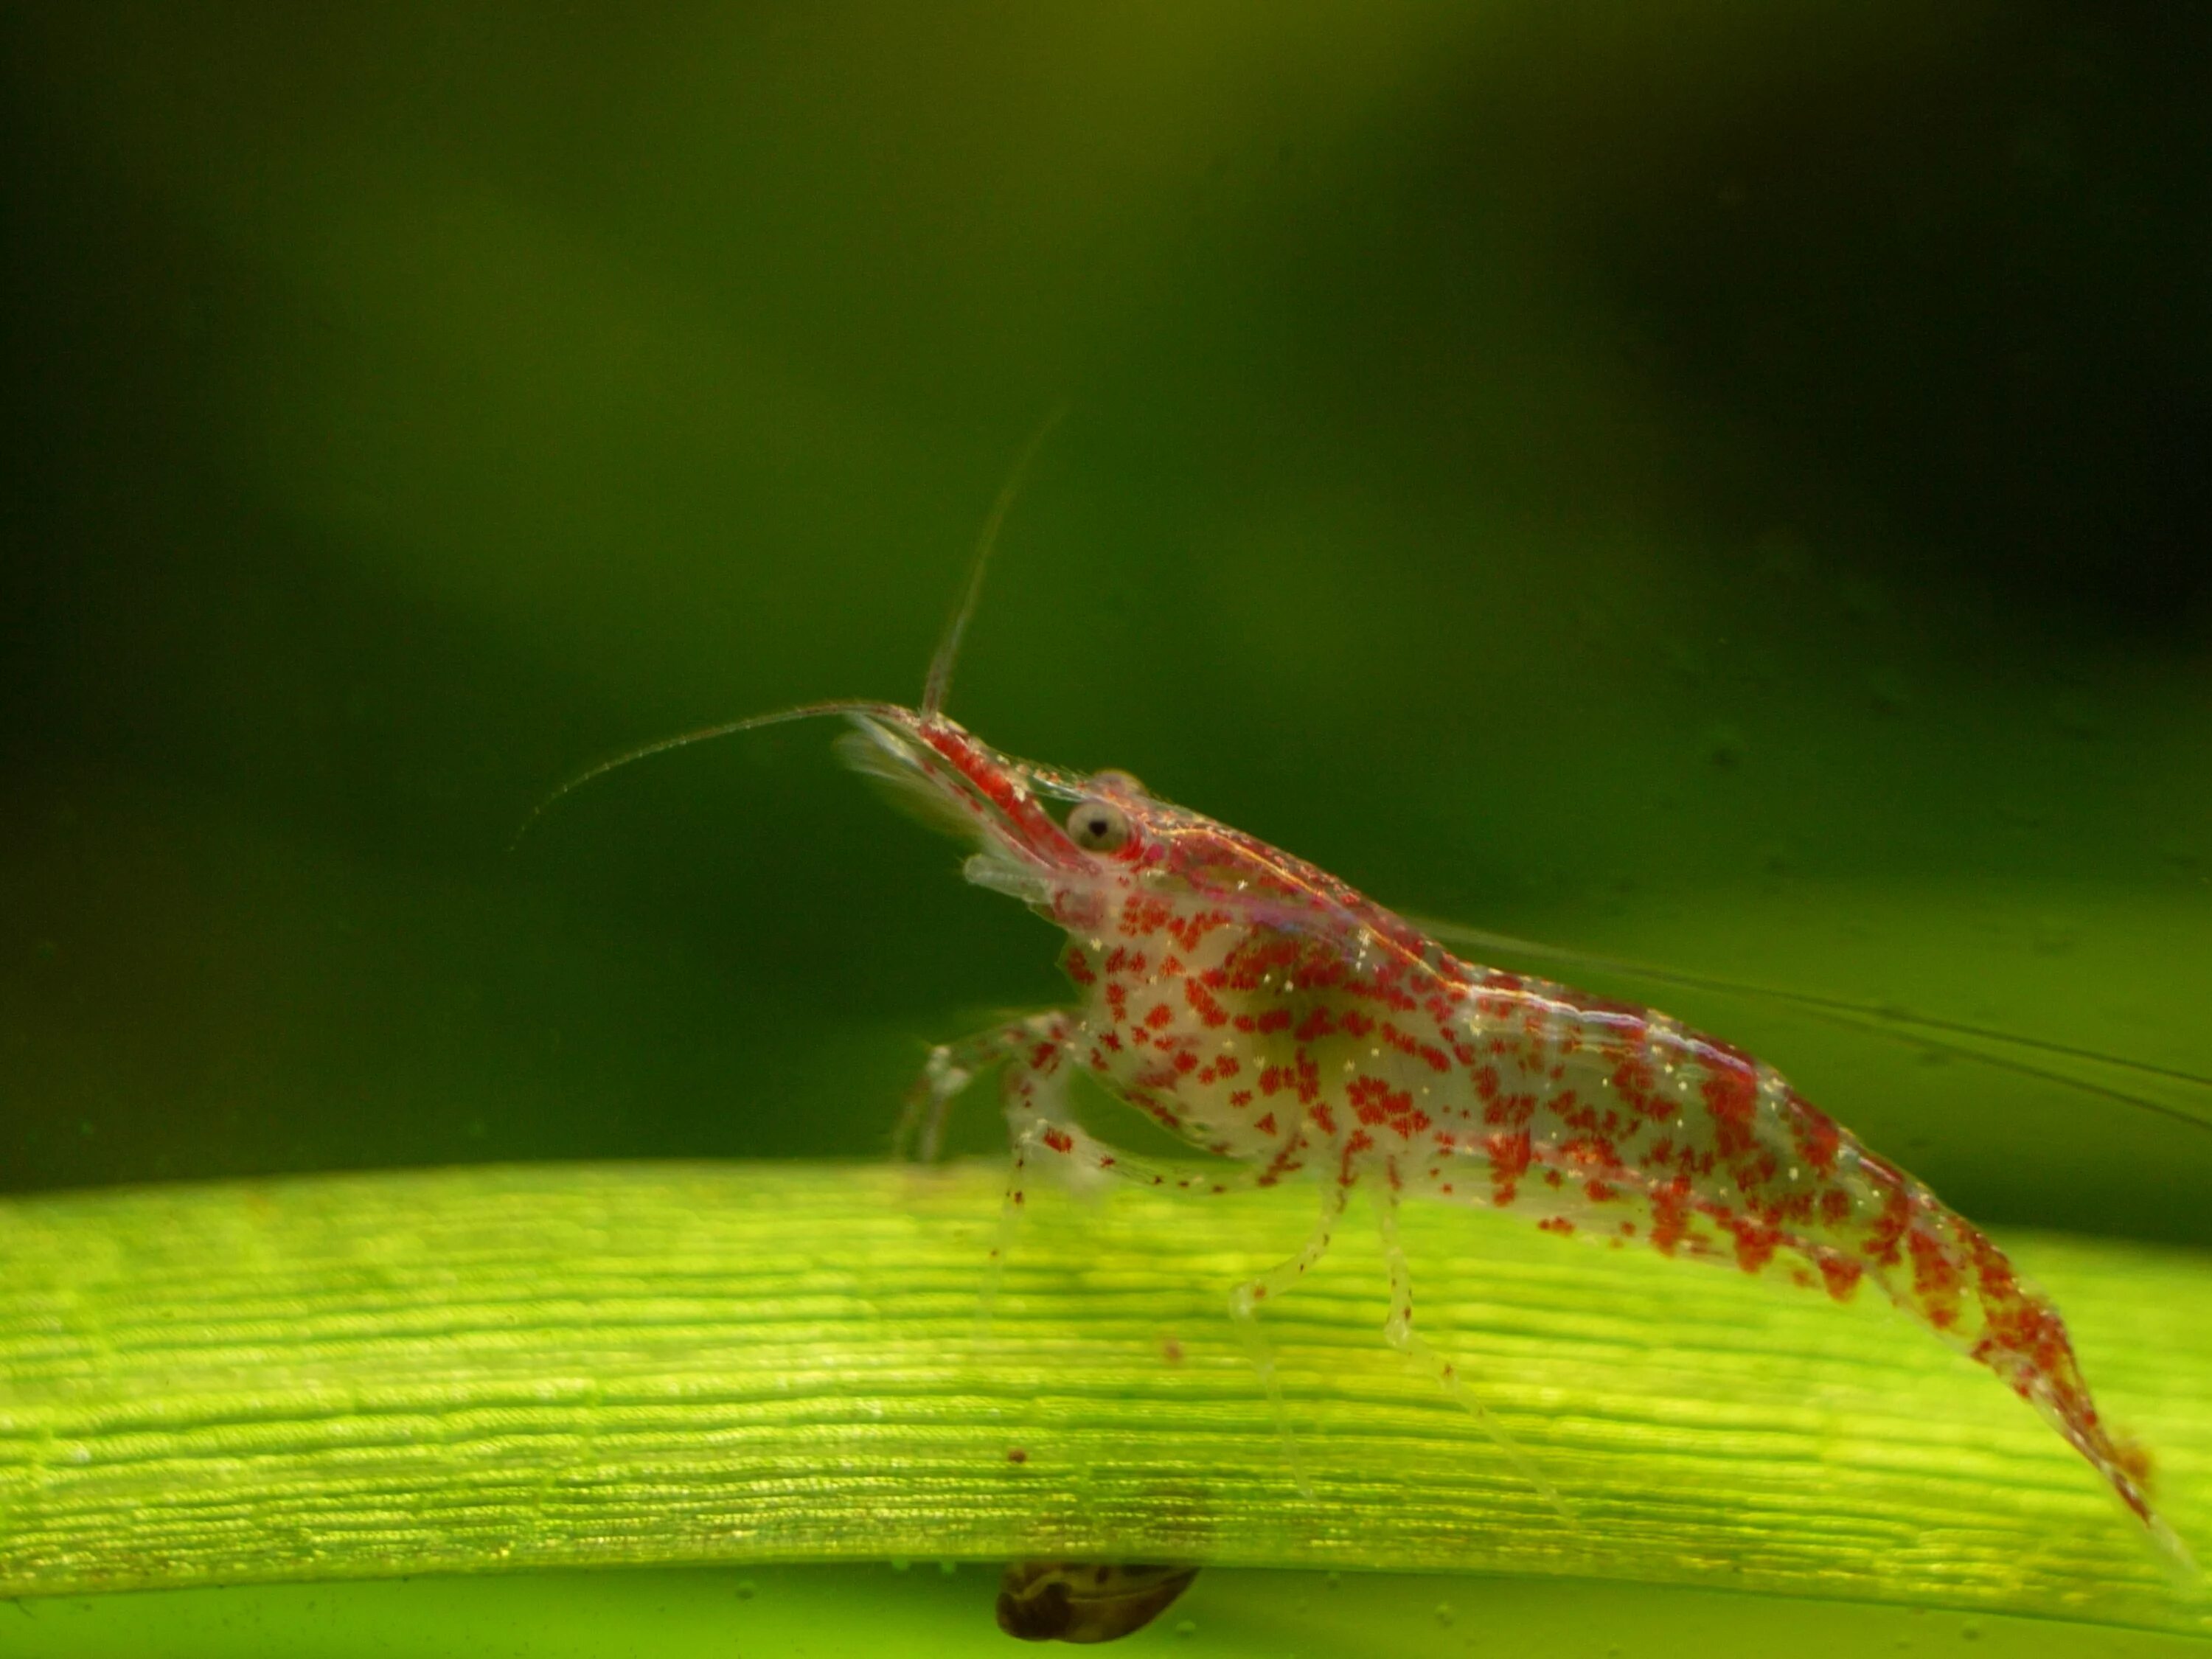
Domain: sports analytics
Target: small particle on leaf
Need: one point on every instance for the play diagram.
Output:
(1017, 1455)
(1171, 1350)
(747, 1589)
(1186, 1627)
(1444, 1614)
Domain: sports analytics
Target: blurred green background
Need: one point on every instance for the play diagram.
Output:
(1721, 481)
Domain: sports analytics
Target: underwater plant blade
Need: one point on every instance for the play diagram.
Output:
(359, 1377)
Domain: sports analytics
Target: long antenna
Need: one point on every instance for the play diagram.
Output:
(933, 691)
(1904, 1028)
(1926, 1029)
(661, 745)
(939, 682)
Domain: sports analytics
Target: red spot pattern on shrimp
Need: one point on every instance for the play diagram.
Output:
(1637, 1083)
(1143, 915)
(1935, 1278)
(1755, 1243)
(1670, 1215)
(1731, 1092)
(1814, 1132)
(1202, 1003)
(1374, 1102)
(1509, 1157)
(1840, 1274)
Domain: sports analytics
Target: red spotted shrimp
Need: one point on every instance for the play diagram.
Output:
(1268, 1014)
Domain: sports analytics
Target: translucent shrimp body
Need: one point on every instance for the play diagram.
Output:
(1265, 1011)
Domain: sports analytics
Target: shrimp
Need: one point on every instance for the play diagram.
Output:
(1268, 1014)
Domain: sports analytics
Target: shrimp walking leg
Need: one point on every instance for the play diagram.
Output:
(1033, 1047)
(1034, 1051)
(1398, 1331)
(1244, 1309)
(951, 1066)
(1037, 1055)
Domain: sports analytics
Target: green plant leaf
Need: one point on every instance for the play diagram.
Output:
(362, 1377)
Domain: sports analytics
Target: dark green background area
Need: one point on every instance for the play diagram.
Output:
(1724, 483)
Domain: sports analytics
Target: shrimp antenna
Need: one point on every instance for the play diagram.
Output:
(1927, 1030)
(661, 745)
(939, 682)
(933, 690)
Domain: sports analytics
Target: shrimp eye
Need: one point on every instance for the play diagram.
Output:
(1098, 826)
